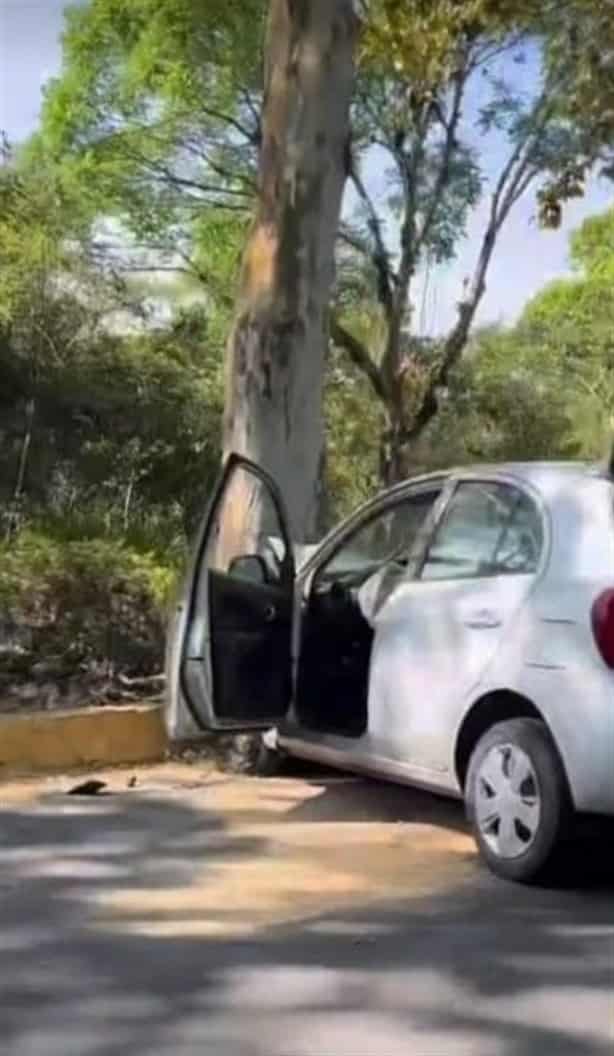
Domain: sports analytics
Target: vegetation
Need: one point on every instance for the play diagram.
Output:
(122, 227)
(423, 66)
(81, 619)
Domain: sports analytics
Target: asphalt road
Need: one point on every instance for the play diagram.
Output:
(198, 914)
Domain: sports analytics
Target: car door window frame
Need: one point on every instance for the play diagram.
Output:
(523, 488)
(234, 463)
(344, 532)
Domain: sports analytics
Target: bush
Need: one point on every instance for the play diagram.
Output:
(94, 608)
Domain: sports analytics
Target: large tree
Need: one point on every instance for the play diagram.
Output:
(278, 344)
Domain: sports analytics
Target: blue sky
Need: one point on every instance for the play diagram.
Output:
(526, 257)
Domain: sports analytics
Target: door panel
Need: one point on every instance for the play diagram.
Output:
(229, 660)
(250, 634)
(433, 643)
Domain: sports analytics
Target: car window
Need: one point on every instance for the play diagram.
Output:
(388, 535)
(489, 529)
(246, 525)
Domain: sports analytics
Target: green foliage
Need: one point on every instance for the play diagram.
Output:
(573, 319)
(505, 402)
(592, 419)
(119, 54)
(592, 247)
(109, 424)
(353, 427)
(109, 443)
(154, 118)
(420, 40)
(572, 322)
(580, 40)
(85, 603)
(130, 423)
(39, 233)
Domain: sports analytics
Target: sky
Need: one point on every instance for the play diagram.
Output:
(526, 259)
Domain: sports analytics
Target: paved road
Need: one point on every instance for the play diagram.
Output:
(197, 914)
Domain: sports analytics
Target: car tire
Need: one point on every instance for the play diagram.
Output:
(517, 799)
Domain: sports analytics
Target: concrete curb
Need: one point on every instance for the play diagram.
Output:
(48, 741)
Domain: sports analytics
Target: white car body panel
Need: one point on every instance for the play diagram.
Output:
(433, 644)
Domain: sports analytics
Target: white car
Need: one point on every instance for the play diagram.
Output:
(456, 633)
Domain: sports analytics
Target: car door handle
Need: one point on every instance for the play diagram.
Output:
(480, 619)
(270, 613)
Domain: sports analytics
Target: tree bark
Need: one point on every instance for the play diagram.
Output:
(276, 352)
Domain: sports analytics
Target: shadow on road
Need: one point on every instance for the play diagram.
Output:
(481, 968)
(361, 800)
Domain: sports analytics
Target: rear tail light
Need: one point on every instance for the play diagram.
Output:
(602, 618)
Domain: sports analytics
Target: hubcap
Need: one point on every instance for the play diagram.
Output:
(507, 801)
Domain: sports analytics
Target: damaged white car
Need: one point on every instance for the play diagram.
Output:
(456, 633)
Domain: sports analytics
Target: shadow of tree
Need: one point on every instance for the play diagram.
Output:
(481, 968)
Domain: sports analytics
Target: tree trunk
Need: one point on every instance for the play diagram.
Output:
(276, 352)
(393, 445)
(393, 459)
(14, 511)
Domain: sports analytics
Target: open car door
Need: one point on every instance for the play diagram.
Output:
(229, 648)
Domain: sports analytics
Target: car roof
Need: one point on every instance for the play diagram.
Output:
(547, 476)
(532, 471)
(536, 471)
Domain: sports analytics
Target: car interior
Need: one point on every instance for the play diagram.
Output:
(333, 674)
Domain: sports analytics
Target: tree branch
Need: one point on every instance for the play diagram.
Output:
(255, 114)
(379, 256)
(515, 177)
(353, 241)
(451, 125)
(487, 54)
(359, 355)
(227, 175)
(163, 173)
(232, 121)
(409, 168)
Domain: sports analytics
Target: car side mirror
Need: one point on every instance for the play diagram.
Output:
(251, 567)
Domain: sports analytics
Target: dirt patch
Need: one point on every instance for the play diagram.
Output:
(283, 850)
(320, 844)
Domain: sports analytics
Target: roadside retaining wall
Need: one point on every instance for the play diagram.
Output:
(39, 742)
